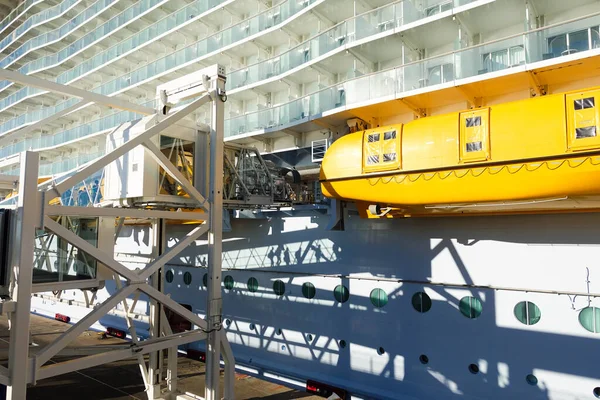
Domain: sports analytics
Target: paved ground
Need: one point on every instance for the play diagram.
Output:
(122, 380)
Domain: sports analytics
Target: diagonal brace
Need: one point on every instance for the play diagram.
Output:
(93, 251)
(127, 146)
(67, 337)
(168, 166)
(173, 305)
(172, 252)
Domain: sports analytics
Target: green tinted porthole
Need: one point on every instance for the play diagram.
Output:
(187, 278)
(589, 318)
(470, 307)
(205, 280)
(228, 281)
(308, 290)
(169, 276)
(421, 302)
(253, 284)
(527, 313)
(531, 379)
(379, 298)
(341, 293)
(279, 287)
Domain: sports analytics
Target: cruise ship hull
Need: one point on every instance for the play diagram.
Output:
(381, 339)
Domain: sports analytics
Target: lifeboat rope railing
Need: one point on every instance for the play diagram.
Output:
(583, 157)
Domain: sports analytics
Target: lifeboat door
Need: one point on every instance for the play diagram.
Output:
(582, 120)
(381, 149)
(475, 135)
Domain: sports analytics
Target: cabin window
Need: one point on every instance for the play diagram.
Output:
(379, 297)
(279, 287)
(470, 307)
(252, 284)
(527, 313)
(589, 318)
(582, 121)
(421, 302)
(341, 293)
(474, 135)
(308, 290)
(381, 151)
(229, 282)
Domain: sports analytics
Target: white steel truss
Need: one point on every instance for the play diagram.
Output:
(34, 213)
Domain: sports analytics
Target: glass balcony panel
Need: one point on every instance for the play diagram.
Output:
(562, 40)
(491, 57)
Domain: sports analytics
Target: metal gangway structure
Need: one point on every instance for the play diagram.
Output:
(35, 209)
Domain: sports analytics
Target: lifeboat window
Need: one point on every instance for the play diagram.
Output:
(373, 159)
(471, 122)
(583, 121)
(381, 150)
(582, 104)
(588, 131)
(474, 135)
(389, 157)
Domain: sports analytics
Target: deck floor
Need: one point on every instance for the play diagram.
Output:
(122, 379)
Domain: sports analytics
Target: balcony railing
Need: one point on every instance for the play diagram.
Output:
(17, 12)
(398, 82)
(230, 36)
(135, 41)
(56, 34)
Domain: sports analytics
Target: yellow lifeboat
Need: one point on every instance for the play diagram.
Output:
(529, 156)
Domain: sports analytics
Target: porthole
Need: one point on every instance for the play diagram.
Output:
(228, 282)
(309, 337)
(252, 285)
(308, 290)
(379, 297)
(205, 280)
(169, 276)
(279, 287)
(342, 344)
(278, 332)
(421, 302)
(341, 293)
(424, 359)
(381, 351)
(252, 327)
(531, 379)
(187, 278)
(470, 307)
(474, 369)
(228, 322)
(589, 318)
(527, 313)
(597, 392)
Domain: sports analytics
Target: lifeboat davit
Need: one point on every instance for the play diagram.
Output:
(529, 156)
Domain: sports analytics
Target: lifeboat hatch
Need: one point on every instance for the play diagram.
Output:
(381, 149)
(475, 135)
(582, 120)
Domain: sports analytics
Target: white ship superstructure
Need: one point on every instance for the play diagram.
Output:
(398, 309)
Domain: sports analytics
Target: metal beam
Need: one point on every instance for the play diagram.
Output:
(28, 212)
(93, 251)
(124, 212)
(168, 166)
(32, 81)
(536, 85)
(172, 252)
(132, 351)
(128, 146)
(67, 337)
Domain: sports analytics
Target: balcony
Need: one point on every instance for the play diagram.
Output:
(513, 54)
(130, 14)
